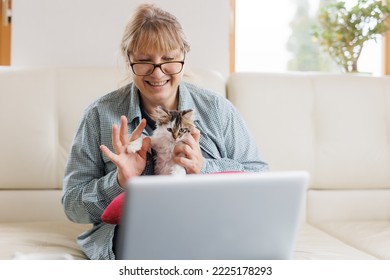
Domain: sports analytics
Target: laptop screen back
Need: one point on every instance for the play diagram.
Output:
(229, 216)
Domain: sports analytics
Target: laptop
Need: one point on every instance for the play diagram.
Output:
(241, 216)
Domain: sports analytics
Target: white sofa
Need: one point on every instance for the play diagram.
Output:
(337, 127)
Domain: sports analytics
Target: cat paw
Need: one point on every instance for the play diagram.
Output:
(134, 146)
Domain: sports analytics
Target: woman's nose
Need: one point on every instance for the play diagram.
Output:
(157, 72)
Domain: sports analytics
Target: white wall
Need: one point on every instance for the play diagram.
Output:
(88, 32)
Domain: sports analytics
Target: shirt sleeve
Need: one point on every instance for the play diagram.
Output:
(87, 186)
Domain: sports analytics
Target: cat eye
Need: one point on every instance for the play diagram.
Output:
(147, 68)
(181, 130)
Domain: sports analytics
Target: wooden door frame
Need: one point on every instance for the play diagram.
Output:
(386, 51)
(5, 37)
(232, 35)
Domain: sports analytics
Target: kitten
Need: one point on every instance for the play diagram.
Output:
(172, 126)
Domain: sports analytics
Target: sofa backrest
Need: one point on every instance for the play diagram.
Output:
(39, 112)
(335, 126)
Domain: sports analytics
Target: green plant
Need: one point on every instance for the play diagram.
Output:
(342, 32)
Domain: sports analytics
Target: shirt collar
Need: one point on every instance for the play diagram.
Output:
(134, 106)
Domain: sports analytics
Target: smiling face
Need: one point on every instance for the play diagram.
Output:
(158, 88)
(155, 36)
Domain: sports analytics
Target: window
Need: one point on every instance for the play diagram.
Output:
(275, 36)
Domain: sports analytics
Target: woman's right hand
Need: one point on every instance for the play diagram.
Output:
(128, 164)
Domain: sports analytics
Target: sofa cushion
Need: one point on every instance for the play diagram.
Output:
(314, 244)
(372, 237)
(40, 238)
(352, 131)
(28, 122)
(113, 213)
(278, 109)
(334, 126)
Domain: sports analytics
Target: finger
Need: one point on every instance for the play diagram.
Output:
(145, 147)
(111, 156)
(138, 130)
(182, 150)
(192, 140)
(124, 131)
(196, 135)
(189, 165)
(116, 142)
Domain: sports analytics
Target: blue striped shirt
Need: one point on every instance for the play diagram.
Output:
(90, 182)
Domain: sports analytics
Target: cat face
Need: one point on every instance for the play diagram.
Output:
(176, 123)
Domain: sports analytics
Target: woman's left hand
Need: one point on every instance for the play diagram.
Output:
(188, 154)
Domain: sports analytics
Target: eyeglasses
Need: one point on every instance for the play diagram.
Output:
(147, 68)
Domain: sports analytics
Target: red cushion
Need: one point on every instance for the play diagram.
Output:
(113, 212)
(228, 172)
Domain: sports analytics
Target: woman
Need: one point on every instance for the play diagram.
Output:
(154, 47)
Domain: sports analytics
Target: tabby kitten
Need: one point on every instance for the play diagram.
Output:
(172, 126)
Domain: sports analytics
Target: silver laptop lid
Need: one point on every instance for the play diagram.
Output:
(221, 216)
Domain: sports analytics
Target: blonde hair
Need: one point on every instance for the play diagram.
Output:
(152, 29)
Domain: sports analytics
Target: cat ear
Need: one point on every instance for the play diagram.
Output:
(161, 112)
(188, 114)
(162, 116)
